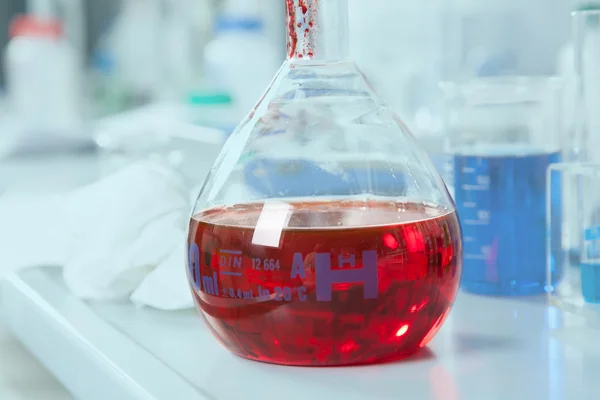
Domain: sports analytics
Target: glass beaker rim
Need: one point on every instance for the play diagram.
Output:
(503, 89)
(576, 168)
(585, 18)
(586, 12)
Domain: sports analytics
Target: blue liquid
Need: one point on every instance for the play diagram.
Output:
(501, 201)
(590, 282)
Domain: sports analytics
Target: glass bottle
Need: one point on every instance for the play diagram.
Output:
(323, 234)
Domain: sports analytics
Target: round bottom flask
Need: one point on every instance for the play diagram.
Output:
(323, 235)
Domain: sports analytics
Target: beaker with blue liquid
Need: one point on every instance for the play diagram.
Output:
(590, 265)
(504, 133)
(588, 202)
(573, 226)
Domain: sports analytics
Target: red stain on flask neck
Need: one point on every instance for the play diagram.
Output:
(300, 26)
(293, 37)
(303, 6)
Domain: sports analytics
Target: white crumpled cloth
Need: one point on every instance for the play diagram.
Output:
(126, 238)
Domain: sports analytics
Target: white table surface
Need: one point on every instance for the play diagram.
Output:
(22, 182)
(27, 187)
(488, 349)
(22, 377)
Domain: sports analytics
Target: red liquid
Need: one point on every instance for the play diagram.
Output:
(297, 300)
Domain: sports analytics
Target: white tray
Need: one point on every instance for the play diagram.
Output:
(488, 349)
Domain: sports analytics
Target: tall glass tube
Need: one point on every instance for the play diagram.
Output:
(318, 30)
(572, 222)
(581, 145)
(586, 38)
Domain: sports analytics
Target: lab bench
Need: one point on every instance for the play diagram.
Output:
(489, 348)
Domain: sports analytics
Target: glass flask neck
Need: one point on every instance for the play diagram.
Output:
(317, 30)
